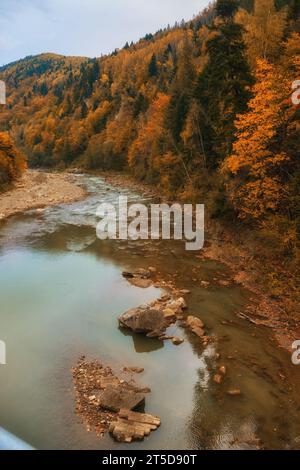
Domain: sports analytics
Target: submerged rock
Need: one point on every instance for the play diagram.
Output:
(140, 278)
(141, 283)
(134, 370)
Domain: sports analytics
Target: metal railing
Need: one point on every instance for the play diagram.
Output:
(10, 442)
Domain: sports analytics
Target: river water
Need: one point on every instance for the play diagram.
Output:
(61, 292)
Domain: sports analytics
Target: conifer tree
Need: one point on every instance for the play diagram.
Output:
(153, 70)
(223, 87)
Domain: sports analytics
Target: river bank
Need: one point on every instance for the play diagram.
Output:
(274, 288)
(36, 190)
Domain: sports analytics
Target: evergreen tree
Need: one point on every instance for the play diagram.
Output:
(223, 87)
(181, 92)
(153, 69)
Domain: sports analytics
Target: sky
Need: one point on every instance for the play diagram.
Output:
(83, 27)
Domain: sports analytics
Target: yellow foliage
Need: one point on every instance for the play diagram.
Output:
(264, 29)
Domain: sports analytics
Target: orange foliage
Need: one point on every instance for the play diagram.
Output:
(12, 162)
(257, 187)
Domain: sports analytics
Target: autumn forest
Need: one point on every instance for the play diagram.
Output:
(149, 228)
(202, 109)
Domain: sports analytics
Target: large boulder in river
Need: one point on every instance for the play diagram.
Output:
(143, 319)
(115, 398)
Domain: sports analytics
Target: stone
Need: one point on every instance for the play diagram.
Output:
(131, 426)
(140, 417)
(143, 319)
(40, 210)
(177, 341)
(105, 382)
(223, 370)
(114, 398)
(134, 370)
(205, 284)
(166, 338)
(152, 270)
(169, 315)
(143, 389)
(218, 379)
(177, 305)
(234, 393)
(127, 275)
(196, 326)
(224, 283)
(154, 334)
(165, 298)
(143, 273)
(140, 282)
(140, 278)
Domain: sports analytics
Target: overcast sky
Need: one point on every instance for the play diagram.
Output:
(83, 27)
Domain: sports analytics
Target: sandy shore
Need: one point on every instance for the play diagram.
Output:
(38, 189)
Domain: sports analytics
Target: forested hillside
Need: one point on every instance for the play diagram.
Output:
(202, 109)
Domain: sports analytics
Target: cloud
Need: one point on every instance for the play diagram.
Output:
(83, 27)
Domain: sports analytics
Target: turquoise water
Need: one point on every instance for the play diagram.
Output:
(61, 293)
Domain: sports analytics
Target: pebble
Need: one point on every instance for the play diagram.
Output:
(218, 379)
(177, 341)
(234, 392)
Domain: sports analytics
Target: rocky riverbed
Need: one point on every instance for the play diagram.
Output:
(36, 190)
(107, 402)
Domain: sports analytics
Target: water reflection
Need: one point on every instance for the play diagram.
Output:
(139, 343)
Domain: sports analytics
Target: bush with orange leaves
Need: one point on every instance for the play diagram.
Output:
(12, 162)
